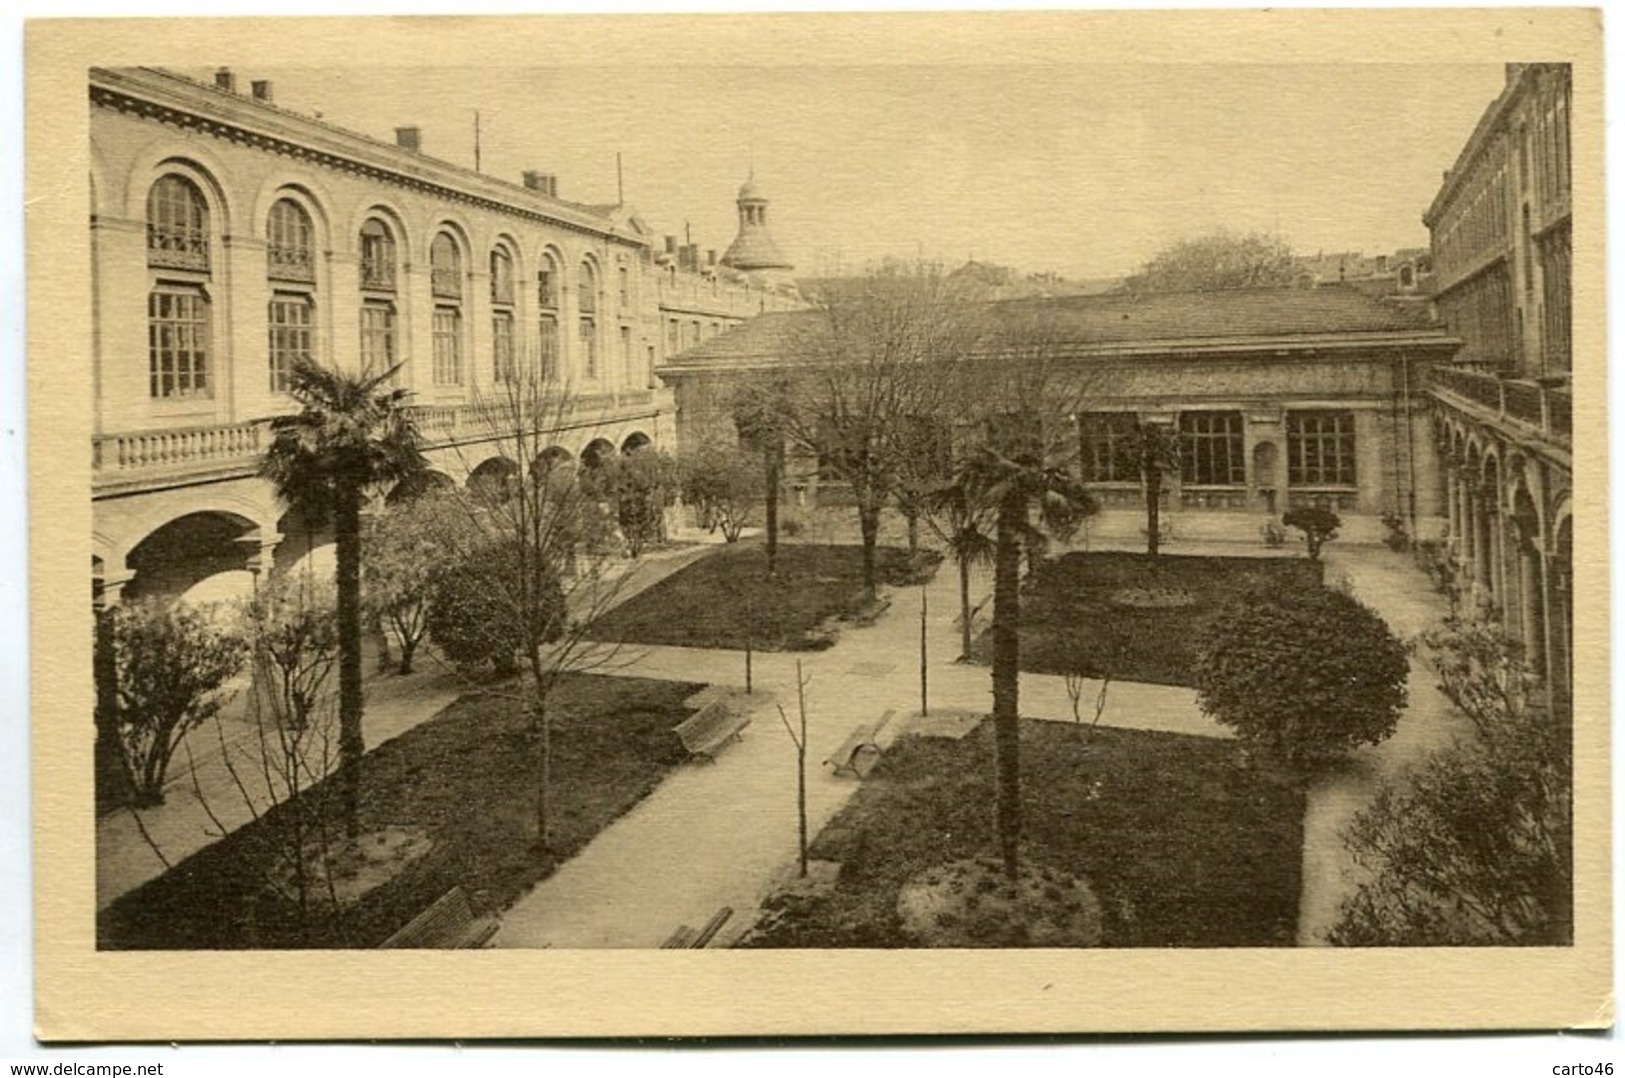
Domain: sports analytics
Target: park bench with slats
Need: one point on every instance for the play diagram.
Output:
(685, 937)
(705, 731)
(449, 923)
(861, 751)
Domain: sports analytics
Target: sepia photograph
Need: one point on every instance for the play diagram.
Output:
(949, 512)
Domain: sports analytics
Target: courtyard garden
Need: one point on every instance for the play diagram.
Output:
(1181, 844)
(449, 803)
(728, 598)
(1136, 618)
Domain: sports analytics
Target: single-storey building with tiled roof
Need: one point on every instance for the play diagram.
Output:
(1281, 397)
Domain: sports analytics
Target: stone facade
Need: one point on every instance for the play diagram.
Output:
(1329, 377)
(1501, 227)
(228, 234)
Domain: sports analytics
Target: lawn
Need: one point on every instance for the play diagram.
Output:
(465, 778)
(1183, 846)
(1135, 618)
(727, 597)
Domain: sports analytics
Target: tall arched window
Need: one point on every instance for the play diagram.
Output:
(587, 299)
(547, 320)
(290, 266)
(179, 320)
(446, 283)
(177, 225)
(378, 329)
(502, 354)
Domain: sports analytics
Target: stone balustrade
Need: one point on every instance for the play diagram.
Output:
(237, 447)
(183, 448)
(1539, 407)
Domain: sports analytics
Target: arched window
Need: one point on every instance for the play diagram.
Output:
(547, 322)
(446, 282)
(445, 268)
(587, 298)
(177, 225)
(379, 344)
(290, 265)
(179, 318)
(377, 256)
(502, 354)
(289, 242)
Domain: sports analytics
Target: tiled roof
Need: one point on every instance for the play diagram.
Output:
(1125, 318)
(1183, 319)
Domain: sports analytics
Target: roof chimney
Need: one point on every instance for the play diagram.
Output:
(261, 89)
(533, 180)
(225, 80)
(409, 138)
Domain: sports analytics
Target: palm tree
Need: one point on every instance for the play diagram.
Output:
(1153, 448)
(351, 433)
(1013, 482)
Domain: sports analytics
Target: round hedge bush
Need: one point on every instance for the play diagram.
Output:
(474, 612)
(1309, 675)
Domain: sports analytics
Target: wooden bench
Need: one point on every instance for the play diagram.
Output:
(860, 752)
(448, 923)
(705, 731)
(685, 937)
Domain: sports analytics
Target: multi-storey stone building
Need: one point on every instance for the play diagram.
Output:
(230, 235)
(1501, 227)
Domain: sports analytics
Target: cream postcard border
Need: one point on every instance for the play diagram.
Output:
(82, 994)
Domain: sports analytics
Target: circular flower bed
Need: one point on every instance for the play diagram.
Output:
(972, 904)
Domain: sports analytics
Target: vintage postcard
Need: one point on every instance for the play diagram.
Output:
(1031, 522)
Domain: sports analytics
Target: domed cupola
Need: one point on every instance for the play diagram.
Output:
(753, 249)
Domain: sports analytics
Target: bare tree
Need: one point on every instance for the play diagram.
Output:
(876, 364)
(1220, 260)
(552, 533)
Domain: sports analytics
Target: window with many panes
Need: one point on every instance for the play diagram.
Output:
(445, 268)
(179, 319)
(547, 284)
(1103, 439)
(502, 316)
(377, 256)
(1212, 451)
(1320, 449)
(177, 225)
(290, 319)
(587, 301)
(290, 243)
(502, 358)
(501, 278)
(178, 341)
(448, 346)
(377, 336)
(548, 347)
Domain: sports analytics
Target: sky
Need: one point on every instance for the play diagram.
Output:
(1083, 170)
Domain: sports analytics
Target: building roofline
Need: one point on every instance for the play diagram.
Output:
(1493, 112)
(225, 112)
(1168, 347)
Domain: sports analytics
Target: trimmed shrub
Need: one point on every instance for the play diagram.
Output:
(1319, 526)
(1310, 675)
(476, 614)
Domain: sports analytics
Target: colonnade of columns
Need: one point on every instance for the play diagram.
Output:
(1512, 568)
